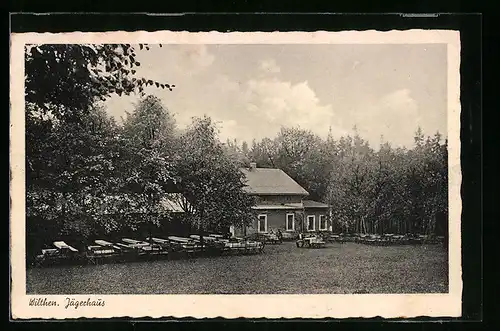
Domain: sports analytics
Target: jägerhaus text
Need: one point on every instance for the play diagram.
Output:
(68, 303)
(73, 303)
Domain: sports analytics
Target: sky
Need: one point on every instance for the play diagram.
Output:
(252, 90)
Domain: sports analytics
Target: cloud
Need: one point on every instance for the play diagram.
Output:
(399, 101)
(269, 66)
(246, 108)
(259, 107)
(182, 65)
(197, 55)
(223, 84)
(174, 63)
(283, 103)
(395, 116)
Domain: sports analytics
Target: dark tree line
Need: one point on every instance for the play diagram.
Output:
(389, 190)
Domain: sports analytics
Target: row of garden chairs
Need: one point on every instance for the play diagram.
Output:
(127, 249)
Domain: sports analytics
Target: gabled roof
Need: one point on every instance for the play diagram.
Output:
(111, 204)
(174, 202)
(267, 181)
(169, 202)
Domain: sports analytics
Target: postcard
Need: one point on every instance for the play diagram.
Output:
(240, 174)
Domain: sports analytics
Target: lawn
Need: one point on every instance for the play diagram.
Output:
(280, 269)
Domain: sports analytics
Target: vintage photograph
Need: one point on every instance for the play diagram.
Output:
(236, 168)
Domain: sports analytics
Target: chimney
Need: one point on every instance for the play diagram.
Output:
(253, 165)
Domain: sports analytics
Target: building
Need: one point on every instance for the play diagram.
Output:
(282, 203)
(134, 208)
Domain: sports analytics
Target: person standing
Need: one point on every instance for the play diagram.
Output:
(280, 236)
(300, 242)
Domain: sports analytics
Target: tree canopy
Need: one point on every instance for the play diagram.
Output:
(211, 179)
(66, 80)
(395, 190)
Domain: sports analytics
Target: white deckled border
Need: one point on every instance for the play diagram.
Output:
(234, 306)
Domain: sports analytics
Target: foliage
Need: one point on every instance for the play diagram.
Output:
(73, 149)
(147, 161)
(211, 179)
(65, 80)
(390, 190)
(92, 177)
(69, 167)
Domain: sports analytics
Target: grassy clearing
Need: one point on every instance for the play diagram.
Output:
(281, 269)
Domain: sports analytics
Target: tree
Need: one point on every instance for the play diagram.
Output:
(300, 153)
(435, 186)
(63, 186)
(71, 147)
(391, 190)
(396, 190)
(210, 179)
(352, 186)
(244, 148)
(65, 80)
(63, 83)
(236, 153)
(148, 158)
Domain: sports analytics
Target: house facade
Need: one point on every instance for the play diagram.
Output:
(281, 204)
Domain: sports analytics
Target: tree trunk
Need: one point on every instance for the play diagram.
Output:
(201, 228)
(150, 232)
(432, 225)
(63, 211)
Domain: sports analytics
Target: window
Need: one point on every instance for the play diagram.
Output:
(290, 222)
(322, 222)
(262, 223)
(310, 222)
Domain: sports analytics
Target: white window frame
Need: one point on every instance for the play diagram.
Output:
(324, 220)
(314, 223)
(293, 222)
(265, 223)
